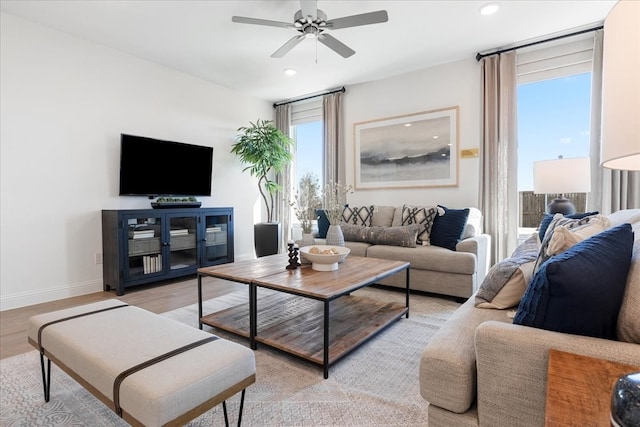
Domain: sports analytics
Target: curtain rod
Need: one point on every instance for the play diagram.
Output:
(327, 92)
(479, 56)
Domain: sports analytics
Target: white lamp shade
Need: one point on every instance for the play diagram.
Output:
(620, 145)
(562, 176)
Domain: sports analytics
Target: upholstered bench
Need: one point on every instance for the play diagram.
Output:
(149, 369)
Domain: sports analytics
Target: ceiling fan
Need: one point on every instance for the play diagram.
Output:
(312, 22)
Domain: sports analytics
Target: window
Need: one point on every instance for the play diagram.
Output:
(554, 97)
(307, 132)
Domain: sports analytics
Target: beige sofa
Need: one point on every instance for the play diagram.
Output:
(481, 369)
(433, 268)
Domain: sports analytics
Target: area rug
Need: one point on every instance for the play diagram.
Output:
(376, 385)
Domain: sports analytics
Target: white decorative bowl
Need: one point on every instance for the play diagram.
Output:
(325, 262)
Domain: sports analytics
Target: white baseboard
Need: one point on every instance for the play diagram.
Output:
(23, 299)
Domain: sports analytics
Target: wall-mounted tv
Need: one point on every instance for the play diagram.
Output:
(152, 167)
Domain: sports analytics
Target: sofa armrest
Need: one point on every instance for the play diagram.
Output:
(479, 245)
(512, 368)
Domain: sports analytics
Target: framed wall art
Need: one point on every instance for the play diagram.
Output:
(414, 150)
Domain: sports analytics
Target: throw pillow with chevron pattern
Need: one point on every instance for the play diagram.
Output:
(424, 216)
(358, 215)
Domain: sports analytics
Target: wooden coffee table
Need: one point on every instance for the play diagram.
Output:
(327, 331)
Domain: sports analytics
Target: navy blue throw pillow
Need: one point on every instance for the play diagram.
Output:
(580, 291)
(547, 218)
(448, 228)
(323, 223)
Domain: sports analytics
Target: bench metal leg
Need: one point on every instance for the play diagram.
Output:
(46, 376)
(224, 409)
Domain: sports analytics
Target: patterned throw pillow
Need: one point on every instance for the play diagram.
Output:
(358, 216)
(423, 216)
(558, 221)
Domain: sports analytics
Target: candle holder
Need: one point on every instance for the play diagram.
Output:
(293, 257)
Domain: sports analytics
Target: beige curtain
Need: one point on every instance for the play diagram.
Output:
(611, 190)
(282, 211)
(498, 167)
(334, 165)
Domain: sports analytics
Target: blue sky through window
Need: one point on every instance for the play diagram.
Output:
(309, 156)
(553, 120)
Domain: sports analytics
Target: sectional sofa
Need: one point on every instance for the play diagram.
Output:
(488, 366)
(449, 254)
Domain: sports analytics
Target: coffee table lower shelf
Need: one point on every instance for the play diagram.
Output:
(353, 320)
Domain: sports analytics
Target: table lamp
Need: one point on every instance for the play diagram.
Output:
(562, 176)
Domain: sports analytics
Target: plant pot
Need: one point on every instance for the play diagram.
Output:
(266, 238)
(335, 236)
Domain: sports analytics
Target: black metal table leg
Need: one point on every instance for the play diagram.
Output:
(46, 376)
(407, 302)
(199, 300)
(325, 361)
(253, 315)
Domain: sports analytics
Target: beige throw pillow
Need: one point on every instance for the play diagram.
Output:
(563, 237)
(512, 291)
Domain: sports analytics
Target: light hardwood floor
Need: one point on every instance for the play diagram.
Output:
(157, 298)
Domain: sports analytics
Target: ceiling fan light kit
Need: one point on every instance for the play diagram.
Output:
(312, 23)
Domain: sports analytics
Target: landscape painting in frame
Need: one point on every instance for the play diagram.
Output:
(416, 150)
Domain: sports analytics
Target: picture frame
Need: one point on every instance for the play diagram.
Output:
(408, 151)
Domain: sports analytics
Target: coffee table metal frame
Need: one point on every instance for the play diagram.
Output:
(269, 272)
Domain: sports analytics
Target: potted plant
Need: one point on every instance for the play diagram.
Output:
(307, 200)
(265, 149)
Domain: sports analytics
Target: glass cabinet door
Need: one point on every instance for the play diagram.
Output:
(183, 250)
(144, 246)
(215, 240)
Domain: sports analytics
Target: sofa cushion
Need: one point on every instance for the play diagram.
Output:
(423, 216)
(507, 280)
(629, 318)
(323, 223)
(358, 215)
(383, 216)
(394, 236)
(474, 223)
(547, 218)
(558, 221)
(433, 258)
(563, 238)
(580, 291)
(448, 228)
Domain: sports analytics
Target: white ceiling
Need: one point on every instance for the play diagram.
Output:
(198, 37)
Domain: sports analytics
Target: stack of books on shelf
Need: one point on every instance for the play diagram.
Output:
(179, 232)
(142, 234)
(151, 264)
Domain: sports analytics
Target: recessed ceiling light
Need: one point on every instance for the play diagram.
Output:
(290, 71)
(489, 9)
(435, 136)
(407, 124)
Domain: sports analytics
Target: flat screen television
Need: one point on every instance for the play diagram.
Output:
(152, 167)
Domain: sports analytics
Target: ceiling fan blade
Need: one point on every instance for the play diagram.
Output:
(285, 48)
(336, 45)
(357, 20)
(245, 20)
(309, 8)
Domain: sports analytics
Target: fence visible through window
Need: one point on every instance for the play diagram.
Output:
(533, 206)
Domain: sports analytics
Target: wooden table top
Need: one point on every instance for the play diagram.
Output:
(248, 270)
(270, 272)
(352, 274)
(579, 389)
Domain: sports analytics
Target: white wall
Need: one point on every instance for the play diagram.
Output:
(448, 85)
(63, 104)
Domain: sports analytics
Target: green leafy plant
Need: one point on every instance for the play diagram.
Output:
(266, 150)
(307, 200)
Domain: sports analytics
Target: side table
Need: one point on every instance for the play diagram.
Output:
(579, 389)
